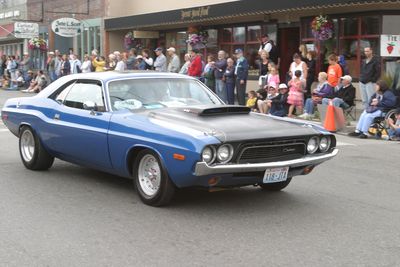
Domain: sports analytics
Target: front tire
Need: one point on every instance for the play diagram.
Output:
(276, 186)
(32, 152)
(151, 179)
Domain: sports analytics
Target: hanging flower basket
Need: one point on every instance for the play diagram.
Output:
(128, 40)
(37, 44)
(322, 28)
(197, 38)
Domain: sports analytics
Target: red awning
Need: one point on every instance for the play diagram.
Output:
(5, 30)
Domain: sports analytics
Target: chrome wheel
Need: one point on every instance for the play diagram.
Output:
(149, 174)
(27, 146)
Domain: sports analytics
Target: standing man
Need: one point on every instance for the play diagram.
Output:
(75, 64)
(269, 46)
(241, 73)
(174, 64)
(57, 63)
(131, 62)
(161, 61)
(219, 70)
(26, 64)
(369, 74)
(51, 67)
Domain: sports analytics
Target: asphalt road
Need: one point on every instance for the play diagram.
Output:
(345, 213)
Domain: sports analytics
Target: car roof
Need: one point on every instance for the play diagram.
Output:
(106, 76)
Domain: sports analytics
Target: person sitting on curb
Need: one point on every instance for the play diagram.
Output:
(278, 104)
(381, 100)
(345, 96)
(323, 90)
(394, 126)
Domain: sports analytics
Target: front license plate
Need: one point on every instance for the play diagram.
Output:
(275, 175)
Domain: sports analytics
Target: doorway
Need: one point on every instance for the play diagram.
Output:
(289, 42)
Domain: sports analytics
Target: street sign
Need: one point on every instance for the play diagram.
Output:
(26, 30)
(66, 27)
(390, 45)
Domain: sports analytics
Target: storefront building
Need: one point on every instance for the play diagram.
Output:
(10, 11)
(239, 24)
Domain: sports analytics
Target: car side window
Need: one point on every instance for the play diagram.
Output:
(85, 92)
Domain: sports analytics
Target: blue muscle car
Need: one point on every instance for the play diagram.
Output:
(165, 131)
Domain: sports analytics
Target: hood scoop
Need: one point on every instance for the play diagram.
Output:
(216, 110)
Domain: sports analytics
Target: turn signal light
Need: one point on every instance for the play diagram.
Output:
(179, 156)
(4, 116)
(308, 169)
(213, 181)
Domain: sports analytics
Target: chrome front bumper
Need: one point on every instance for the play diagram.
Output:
(203, 168)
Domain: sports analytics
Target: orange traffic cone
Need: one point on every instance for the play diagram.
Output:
(329, 123)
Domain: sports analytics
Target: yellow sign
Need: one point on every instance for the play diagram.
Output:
(146, 34)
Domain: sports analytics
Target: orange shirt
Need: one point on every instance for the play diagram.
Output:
(334, 74)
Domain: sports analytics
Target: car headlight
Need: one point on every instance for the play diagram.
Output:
(224, 153)
(208, 154)
(312, 145)
(324, 143)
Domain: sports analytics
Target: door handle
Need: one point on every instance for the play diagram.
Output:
(56, 116)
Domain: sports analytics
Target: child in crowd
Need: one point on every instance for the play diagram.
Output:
(252, 99)
(278, 104)
(394, 126)
(295, 98)
(5, 81)
(323, 90)
(273, 76)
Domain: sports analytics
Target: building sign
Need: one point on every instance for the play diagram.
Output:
(146, 34)
(26, 30)
(66, 27)
(390, 45)
(195, 13)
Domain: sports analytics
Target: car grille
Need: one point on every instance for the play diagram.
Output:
(272, 151)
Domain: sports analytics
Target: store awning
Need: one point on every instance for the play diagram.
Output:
(6, 30)
(222, 11)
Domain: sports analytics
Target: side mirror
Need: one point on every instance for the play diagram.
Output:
(89, 105)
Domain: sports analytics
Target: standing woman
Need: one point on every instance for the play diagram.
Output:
(121, 59)
(303, 52)
(87, 64)
(263, 68)
(229, 80)
(65, 66)
(311, 63)
(299, 65)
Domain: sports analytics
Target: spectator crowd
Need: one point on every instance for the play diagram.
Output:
(227, 76)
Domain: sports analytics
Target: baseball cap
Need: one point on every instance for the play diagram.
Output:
(158, 49)
(283, 86)
(238, 50)
(171, 49)
(51, 53)
(139, 56)
(347, 77)
(273, 85)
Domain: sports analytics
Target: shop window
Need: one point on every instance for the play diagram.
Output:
(349, 51)
(370, 25)
(239, 34)
(253, 33)
(349, 26)
(227, 35)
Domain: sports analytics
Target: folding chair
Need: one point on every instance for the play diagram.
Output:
(351, 112)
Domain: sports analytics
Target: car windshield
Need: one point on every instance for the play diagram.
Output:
(139, 94)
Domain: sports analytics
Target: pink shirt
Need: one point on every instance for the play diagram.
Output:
(273, 79)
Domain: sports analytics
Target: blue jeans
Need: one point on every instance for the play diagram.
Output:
(53, 75)
(309, 106)
(393, 132)
(337, 102)
(220, 89)
(366, 120)
(366, 90)
(230, 90)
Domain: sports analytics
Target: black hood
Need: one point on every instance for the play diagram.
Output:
(233, 124)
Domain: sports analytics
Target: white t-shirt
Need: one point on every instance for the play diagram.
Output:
(267, 47)
(299, 67)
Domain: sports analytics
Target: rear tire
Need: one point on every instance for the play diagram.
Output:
(276, 186)
(151, 179)
(32, 152)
